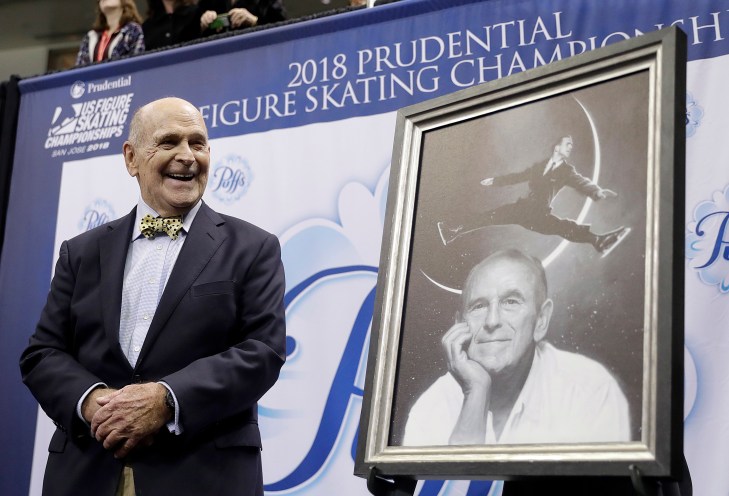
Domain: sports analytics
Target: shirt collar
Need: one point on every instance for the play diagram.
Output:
(144, 209)
(553, 164)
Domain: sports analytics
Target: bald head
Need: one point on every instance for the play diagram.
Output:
(138, 127)
(168, 152)
(531, 264)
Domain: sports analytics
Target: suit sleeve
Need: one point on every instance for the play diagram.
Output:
(515, 177)
(580, 183)
(48, 365)
(227, 384)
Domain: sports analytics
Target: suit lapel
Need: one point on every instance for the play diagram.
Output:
(113, 249)
(203, 240)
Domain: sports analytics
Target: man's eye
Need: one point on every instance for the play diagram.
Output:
(477, 308)
(510, 302)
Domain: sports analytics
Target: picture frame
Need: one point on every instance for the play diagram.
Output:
(623, 109)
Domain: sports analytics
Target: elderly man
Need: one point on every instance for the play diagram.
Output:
(534, 211)
(161, 332)
(505, 384)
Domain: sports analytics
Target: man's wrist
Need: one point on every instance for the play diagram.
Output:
(169, 401)
(86, 406)
(172, 417)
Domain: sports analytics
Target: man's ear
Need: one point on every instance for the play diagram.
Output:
(129, 155)
(542, 324)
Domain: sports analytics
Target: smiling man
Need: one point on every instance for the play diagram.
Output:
(170, 182)
(505, 384)
(161, 332)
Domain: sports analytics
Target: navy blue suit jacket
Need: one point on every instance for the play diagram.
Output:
(543, 188)
(217, 338)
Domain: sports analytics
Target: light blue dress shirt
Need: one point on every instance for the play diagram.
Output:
(146, 272)
(147, 269)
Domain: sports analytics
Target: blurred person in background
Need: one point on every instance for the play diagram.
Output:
(116, 32)
(170, 22)
(220, 15)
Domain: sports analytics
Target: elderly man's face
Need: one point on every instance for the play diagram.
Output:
(172, 159)
(502, 312)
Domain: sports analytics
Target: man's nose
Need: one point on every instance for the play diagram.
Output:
(184, 153)
(493, 318)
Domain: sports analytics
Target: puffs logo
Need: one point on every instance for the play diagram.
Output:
(230, 179)
(694, 114)
(707, 241)
(93, 120)
(95, 214)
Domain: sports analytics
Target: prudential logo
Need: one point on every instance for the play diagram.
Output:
(78, 89)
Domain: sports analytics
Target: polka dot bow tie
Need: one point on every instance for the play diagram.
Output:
(153, 225)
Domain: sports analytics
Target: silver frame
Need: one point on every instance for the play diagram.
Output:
(658, 453)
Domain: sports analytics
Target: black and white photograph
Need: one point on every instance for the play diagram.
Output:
(528, 317)
(526, 276)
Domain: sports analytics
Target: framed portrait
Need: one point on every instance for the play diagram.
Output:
(529, 313)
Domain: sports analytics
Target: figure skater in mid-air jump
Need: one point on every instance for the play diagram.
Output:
(534, 211)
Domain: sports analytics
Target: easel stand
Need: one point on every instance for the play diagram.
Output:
(381, 485)
(634, 485)
(652, 487)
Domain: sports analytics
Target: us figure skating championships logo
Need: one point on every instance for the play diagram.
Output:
(92, 120)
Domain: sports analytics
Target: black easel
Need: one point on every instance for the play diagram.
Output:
(642, 485)
(634, 484)
(382, 485)
(660, 487)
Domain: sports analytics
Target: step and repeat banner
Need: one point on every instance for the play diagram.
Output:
(301, 119)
